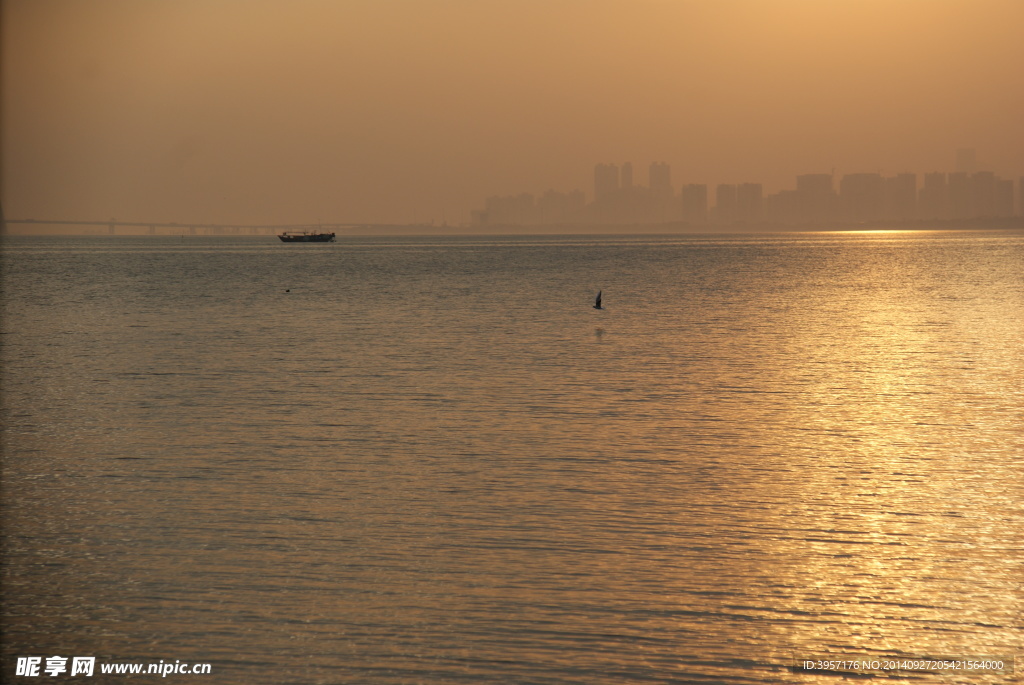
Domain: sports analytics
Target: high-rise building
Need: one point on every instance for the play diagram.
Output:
(933, 200)
(961, 196)
(815, 197)
(555, 207)
(1003, 200)
(606, 182)
(660, 180)
(694, 200)
(966, 160)
(725, 203)
(511, 210)
(861, 197)
(900, 197)
(749, 202)
(627, 176)
(983, 194)
(783, 207)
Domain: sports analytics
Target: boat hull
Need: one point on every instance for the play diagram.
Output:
(306, 237)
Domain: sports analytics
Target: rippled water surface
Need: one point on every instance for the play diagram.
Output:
(430, 460)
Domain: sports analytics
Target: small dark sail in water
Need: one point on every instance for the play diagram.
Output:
(597, 301)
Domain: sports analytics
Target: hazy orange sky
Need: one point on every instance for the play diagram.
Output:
(278, 111)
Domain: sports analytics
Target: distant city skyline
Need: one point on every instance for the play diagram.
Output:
(230, 112)
(857, 197)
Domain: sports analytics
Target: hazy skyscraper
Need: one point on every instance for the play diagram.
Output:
(627, 176)
(694, 200)
(815, 197)
(933, 200)
(1003, 200)
(900, 197)
(860, 197)
(660, 179)
(983, 194)
(606, 182)
(725, 203)
(960, 196)
(966, 160)
(749, 202)
(511, 210)
(783, 207)
(555, 207)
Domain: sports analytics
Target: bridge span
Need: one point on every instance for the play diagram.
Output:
(115, 227)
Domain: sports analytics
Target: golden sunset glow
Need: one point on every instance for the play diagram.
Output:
(592, 342)
(407, 111)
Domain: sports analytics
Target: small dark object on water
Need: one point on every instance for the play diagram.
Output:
(305, 237)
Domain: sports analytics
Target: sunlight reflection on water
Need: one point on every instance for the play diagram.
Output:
(419, 460)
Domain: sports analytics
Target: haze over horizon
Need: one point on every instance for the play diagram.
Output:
(404, 111)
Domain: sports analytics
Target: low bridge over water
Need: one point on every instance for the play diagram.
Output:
(115, 227)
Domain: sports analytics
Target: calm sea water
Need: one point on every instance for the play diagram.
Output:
(430, 460)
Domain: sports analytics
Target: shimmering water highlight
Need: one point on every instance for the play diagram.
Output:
(430, 460)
